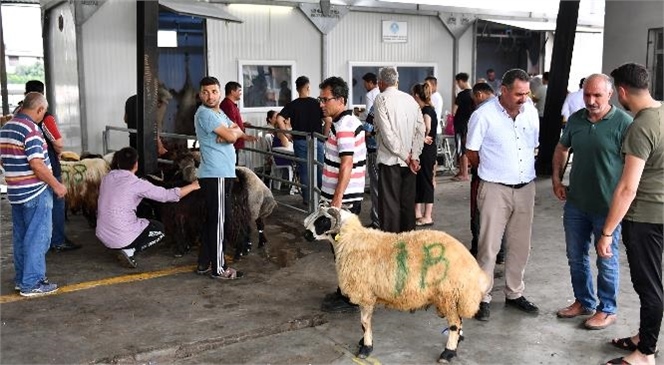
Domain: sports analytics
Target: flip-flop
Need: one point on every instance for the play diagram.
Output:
(624, 344)
(423, 224)
(459, 178)
(618, 361)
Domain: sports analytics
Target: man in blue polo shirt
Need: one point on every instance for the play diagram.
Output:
(596, 134)
(28, 173)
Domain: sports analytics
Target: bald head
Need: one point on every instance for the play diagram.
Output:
(34, 106)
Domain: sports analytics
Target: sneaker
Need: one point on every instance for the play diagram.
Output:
(202, 270)
(17, 287)
(40, 290)
(126, 259)
(484, 312)
(337, 303)
(521, 303)
(66, 246)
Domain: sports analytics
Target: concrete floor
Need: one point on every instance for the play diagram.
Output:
(272, 315)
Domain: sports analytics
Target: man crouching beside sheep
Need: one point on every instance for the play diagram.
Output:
(404, 271)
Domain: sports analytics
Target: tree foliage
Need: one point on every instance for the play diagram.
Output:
(25, 73)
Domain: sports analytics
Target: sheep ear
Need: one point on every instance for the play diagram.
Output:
(336, 218)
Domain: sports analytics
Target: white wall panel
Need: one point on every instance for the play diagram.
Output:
(109, 56)
(358, 38)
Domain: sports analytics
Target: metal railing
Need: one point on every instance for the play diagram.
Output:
(310, 161)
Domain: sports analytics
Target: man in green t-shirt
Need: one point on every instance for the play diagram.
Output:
(639, 202)
(596, 134)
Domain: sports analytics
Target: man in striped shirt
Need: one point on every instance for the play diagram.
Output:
(28, 173)
(344, 168)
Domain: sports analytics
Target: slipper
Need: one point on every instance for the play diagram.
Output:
(624, 344)
(618, 361)
(423, 224)
(459, 178)
(228, 274)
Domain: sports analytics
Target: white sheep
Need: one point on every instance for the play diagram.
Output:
(405, 271)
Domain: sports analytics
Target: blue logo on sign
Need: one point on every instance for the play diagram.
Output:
(394, 28)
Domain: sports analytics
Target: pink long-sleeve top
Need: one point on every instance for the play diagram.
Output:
(119, 194)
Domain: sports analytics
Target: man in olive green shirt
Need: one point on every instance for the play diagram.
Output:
(595, 133)
(639, 202)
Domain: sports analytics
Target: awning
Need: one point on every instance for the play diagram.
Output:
(199, 9)
(549, 26)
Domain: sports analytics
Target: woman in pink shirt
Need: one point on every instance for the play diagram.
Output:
(120, 192)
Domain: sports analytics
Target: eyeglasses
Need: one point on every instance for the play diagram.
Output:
(322, 100)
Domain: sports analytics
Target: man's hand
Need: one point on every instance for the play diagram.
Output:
(60, 191)
(249, 138)
(336, 203)
(560, 191)
(604, 247)
(414, 166)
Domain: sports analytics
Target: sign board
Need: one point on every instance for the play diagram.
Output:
(323, 20)
(395, 32)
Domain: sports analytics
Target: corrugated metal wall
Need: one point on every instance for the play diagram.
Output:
(281, 34)
(109, 56)
(358, 38)
(63, 77)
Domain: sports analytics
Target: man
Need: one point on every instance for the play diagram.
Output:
(639, 202)
(233, 92)
(436, 100)
(130, 115)
(502, 137)
(305, 115)
(367, 117)
(53, 138)
(24, 155)
(595, 133)
(539, 96)
(216, 135)
(400, 125)
(493, 81)
(371, 86)
(344, 169)
(463, 108)
(482, 92)
(573, 102)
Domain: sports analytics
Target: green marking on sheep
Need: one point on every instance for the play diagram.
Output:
(430, 260)
(402, 268)
(77, 176)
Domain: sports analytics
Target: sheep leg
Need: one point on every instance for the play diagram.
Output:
(453, 339)
(366, 344)
(260, 225)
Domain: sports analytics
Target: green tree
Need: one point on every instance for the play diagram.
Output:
(24, 73)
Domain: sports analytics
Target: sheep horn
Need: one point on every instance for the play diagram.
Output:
(336, 215)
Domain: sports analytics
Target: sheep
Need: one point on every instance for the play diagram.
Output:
(82, 179)
(405, 271)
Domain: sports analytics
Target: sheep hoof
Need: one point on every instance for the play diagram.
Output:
(447, 356)
(365, 351)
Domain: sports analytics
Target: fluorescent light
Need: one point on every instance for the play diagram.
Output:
(167, 39)
(274, 9)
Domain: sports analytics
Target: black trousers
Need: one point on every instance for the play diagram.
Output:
(644, 245)
(216, 192)
(150, 236)
(396, 193)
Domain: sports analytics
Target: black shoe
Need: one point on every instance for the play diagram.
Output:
(521, 303)
(484, 312)
(500, 258)
(66, 246)
(202, 270)
(336, 303)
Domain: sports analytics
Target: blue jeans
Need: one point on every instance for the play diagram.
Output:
(300, 149)
(58, 237)
(32, 238)
(579, 227)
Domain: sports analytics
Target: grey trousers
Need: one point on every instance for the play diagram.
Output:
(508, 211)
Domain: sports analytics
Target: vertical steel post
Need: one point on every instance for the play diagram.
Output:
(311, 171)
(147, 25)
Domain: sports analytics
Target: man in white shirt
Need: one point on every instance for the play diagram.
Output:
(502, 136)
(539, 96)
(573, 102)
(436, 100)
(371, 85)
(400, 126)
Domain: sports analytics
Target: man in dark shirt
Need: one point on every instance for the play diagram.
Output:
(305, 115)
(463, 108)
(233, 92)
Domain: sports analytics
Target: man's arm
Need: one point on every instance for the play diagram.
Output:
(44, 174)
(228, 134)
(559, 159)
(473, 158)
(622, 198)
(345, 170)
(327, 125)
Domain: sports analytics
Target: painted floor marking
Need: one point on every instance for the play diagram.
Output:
(9, 298)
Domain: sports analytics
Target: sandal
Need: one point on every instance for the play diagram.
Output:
(624, 344)
(618, 361)
(420, 223)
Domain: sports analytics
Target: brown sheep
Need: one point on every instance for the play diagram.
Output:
(405, 271)
(82, 179)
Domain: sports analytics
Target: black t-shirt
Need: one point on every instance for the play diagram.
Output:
(429, 110)
(130, 112)
(464, 102)
(305, 115)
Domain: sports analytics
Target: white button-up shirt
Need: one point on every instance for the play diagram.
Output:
(506, 146)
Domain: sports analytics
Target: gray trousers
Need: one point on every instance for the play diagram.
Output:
(509, 212)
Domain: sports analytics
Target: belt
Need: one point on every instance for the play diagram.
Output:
(516, 186)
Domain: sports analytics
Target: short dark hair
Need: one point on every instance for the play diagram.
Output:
(432, 79)
(337, 85)
(370, 77)
(462, 76)
(209, 80)
(124, 159)
(482, 87)
(490, 70)
(583, 79)
(632, 76)
(231, 86)
(34, 86)
(514, 74)
(545, 76)
(301, 82)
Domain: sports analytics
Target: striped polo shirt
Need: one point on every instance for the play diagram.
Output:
(346, 138)
(21, 140)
